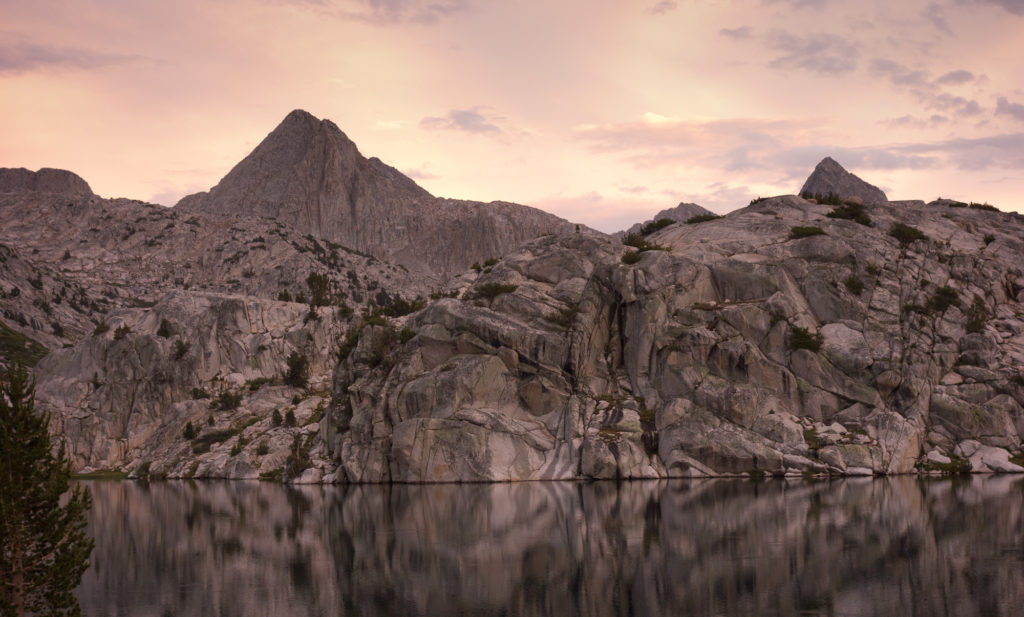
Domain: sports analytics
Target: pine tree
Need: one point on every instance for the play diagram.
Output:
(44, 549)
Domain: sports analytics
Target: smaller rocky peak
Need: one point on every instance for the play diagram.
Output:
(680, 214)
(46, 180)
(830, 177)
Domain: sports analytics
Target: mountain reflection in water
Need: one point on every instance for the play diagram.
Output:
(897, 546)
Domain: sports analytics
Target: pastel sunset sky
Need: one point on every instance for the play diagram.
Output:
(600, 111)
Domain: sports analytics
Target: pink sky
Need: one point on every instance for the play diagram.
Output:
(601, 111)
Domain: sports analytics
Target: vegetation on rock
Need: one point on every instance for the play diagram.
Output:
(44, 548)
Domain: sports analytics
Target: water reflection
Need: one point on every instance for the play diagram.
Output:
(898, 546)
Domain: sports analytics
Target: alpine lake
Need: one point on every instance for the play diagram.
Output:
(898, 546)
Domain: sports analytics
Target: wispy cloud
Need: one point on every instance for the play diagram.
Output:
(741, 33)
(467, 120)
(420, 173)
(24, 57)
(1013, 6)
(931, 93)
(955, 78)
(387, 12)
(819, 52)
(1005, 107)
(665, 6)
(936, 14)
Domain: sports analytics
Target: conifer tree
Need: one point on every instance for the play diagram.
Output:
(44, 549)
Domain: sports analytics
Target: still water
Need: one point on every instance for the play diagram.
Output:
(893, 547)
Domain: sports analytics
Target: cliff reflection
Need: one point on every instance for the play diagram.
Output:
(898, 546)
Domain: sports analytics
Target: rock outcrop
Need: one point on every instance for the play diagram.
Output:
(68, 260)
(786, 338)
(680, 214)
(830, 177)
(744, 348)
(123, 397)
(45, 180)
(310, 175)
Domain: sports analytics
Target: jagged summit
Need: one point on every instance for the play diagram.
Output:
(309, 174)
(45, 180)
(830, 177)
(301, 168)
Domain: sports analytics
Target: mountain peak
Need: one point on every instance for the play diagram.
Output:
(830, 177)
(308, 174)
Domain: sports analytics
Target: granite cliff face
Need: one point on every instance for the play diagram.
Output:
(307, 172)
(783, 338)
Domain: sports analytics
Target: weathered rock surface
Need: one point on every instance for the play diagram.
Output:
(122, 398)
(45, 180)
(738, 350)
(830, 177)
(679, 214)
(310, 174)
(66, 260)
(741, 348)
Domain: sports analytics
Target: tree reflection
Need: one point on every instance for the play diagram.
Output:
(731, 547)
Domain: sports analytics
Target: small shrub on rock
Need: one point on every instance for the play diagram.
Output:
(490, 291)
(943, 298)
(977, 315)
(164, 331)
(850, 212)
(298, 370)
(228, 400)
(906, 234)
(631, 258)
(701, 218)
(276, 419)
(181, 348)
(854, 285)
(189, 432)
(802, 338)
(654, 226)
(805, 232)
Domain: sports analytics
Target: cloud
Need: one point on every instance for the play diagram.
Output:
(995, 151)
(1005, 107)
(741, 33)
(914, 122)
(937, 16)
(468, 120)
(819, 52)
(654, 133)
(955, 78)
(388, 12)
(929, 92)
(665, 6)
(1013, 6)
(420, 173)
(24, 57)
(801, 4)
(898, 74)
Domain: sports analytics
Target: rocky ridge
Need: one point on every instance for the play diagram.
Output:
(309, 173)
(785, 338)
(680, 214)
